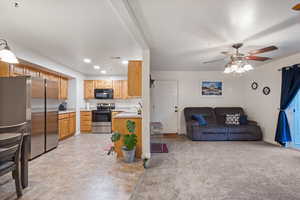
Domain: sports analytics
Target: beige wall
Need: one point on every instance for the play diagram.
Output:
(189, 90)
(237, 92)
(260, 107)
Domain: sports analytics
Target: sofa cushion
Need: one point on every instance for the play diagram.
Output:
(232, 119)
(207, 113)
(243, 120)
(200, 119)
(222, 111)
(244, 132)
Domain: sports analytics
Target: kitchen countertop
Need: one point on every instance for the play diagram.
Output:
(66, 111)
(128, 115)
(87, 110)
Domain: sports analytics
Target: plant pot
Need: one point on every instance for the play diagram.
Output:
(128, 156)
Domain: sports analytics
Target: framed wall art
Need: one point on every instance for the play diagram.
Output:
(212, 88)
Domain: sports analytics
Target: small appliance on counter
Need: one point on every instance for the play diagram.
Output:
(63, 106)
(102, 118)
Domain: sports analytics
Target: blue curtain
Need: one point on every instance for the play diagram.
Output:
(289, 88)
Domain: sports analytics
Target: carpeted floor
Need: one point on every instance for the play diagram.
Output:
(221, 170)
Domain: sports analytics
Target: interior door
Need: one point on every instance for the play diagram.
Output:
(164, 100)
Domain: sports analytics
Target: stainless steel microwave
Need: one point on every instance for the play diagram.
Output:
(104, 93)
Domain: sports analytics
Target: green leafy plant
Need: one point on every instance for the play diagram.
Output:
(130, 126)
(130, 140)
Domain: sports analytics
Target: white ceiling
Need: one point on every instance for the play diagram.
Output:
(183, 34)
(66, 31)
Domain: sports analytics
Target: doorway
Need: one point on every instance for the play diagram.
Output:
(164, 105)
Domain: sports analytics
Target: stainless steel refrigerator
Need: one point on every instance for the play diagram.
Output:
(33, 100)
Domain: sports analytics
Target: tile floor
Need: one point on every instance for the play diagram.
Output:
(78, 169)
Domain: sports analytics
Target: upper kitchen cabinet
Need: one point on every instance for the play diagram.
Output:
(103, 84)
(135, 78)
(63, 89)
(17, 70)
(4, 69)
(117, 86)
(88, 89)
(31, 72)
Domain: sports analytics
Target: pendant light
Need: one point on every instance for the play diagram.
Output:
(6, 55)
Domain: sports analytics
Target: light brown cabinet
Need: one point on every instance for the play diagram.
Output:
(72, 123)
(135, 78)
(119, 125)
(63, 91)
(103, 84)
(4, 69)
(66, 125)
(31, 72)
(7, 70)
(17, 70)
(120, 88)
(88, 89)
(85, 121)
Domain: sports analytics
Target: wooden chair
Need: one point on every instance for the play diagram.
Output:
(10, 147)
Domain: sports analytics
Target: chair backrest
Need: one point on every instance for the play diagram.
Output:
(207, 112)
(10, 146)
(222, 111)
(16, 128)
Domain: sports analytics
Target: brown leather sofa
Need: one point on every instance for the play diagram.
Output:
(216, 129)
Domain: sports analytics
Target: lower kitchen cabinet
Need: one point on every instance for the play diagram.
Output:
(66, 125)
(86, 121)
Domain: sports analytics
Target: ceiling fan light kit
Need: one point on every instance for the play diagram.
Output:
(239, 61)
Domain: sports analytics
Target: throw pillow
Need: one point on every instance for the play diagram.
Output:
(243, 120)
(200, 119)
(232, 119)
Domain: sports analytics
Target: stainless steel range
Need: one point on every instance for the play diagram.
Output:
(102, 118)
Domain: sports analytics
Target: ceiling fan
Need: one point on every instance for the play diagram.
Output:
(296, 7)
(237, 56)
(239, 62)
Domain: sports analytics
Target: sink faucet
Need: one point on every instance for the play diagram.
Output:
(139, 108)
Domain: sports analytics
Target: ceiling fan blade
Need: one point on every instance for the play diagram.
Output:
(263, 50)
(227, 53)
(296, 7)
(257, 58)
(213, 61)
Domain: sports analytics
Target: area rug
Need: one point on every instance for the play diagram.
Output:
(159, 148)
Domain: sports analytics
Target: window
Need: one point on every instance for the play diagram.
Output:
(293, 113)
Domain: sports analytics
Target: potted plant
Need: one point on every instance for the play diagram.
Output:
(129, 141)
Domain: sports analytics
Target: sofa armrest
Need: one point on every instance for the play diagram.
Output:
(252, 122)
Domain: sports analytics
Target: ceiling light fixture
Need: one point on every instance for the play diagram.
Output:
(96, 67)
(239, 67)
(6, 55)
(103, 72)
(87, 60)
(125, 62)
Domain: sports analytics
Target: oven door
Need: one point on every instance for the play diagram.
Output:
(104, 93)
(101, 116)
